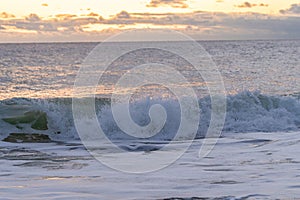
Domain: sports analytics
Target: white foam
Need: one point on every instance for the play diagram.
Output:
(246, 112)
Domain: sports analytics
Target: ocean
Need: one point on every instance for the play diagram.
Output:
(256, 155)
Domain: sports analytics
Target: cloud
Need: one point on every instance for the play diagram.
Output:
(172, 3)
(33, 17)
(123, 15)
(294, 10)
(219, 1)
(6, 15)
(44, 4)
(65, 16)
(264, 5)
(201, 24)
(250, 5)
(92, 14)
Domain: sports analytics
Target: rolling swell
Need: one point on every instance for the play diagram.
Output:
(246, 112)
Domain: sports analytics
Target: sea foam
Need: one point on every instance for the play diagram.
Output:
(246, 112)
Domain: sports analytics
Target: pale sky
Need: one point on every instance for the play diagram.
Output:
(95, 20)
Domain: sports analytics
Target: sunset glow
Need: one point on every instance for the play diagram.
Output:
(95, 20)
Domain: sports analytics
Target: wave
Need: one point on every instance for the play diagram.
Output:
(246, 112)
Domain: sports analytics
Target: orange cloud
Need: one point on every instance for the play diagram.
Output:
(172, 3)
(6, 15)
(211, 24)
(123, 14)
(65, 16)
(92, 14)
(250, 5)
(44, 4)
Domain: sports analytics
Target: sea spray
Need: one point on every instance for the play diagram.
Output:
(246, 112)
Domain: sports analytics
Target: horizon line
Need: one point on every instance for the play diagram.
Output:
(198, 40)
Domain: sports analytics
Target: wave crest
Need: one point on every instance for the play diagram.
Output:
(246, 112)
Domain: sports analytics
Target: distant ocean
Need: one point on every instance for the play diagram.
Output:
(261, 130)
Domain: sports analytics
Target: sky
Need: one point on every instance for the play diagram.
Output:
(96, 20)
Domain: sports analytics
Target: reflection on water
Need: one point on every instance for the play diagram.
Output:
(49, 70)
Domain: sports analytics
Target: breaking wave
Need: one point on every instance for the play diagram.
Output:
(246, 112)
